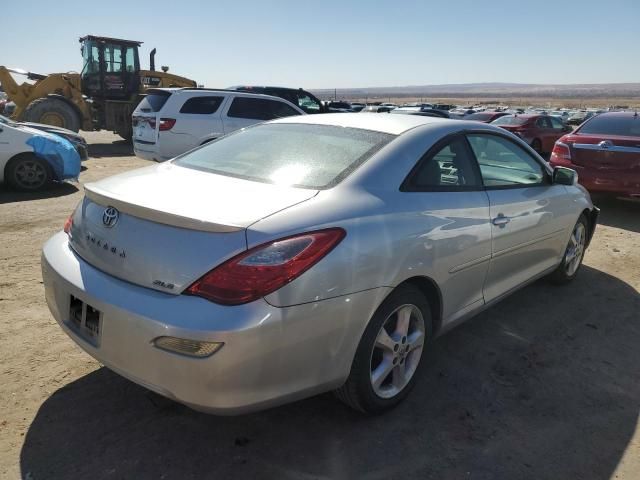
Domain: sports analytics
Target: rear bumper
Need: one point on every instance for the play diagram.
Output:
(270, 355)
(145, 151)
(613, 182)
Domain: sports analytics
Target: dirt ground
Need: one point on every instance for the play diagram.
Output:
(545, 385)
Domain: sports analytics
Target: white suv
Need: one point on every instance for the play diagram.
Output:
(171, 121)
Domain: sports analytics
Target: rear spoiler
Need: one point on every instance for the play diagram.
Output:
(104, 198)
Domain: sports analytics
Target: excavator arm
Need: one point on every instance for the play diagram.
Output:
(64, 86)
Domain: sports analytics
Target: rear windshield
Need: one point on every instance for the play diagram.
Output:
(153, 102)
(300, 155)
(628, 126)
(510, 120)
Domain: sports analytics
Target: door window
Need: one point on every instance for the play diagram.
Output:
(449, 168)
(503, 163)
(308, 104)
(130, 59)
(259, 109)
(113, 58)
(556, 123)
(543, 122)
(201, 105)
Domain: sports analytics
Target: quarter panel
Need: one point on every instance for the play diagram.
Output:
(445, 236)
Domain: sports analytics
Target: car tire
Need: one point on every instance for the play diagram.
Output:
(574, 253)
(399, 353)
(53, 111)
(537, 146)
(28, 173)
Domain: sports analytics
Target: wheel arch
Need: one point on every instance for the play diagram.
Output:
(70, 103)
(592, 217)
(431, 291)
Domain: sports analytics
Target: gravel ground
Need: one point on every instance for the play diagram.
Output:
(545, 385)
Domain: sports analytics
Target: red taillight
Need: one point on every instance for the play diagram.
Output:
(265, 268)
(167, 124)
(561, 153)
(68, 223)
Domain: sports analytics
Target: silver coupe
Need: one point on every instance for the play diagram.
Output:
(309, 254)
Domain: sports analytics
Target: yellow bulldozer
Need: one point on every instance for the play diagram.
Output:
(102, 96)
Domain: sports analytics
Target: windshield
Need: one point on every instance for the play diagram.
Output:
(301, 155)
(510, 120)
(623, 125)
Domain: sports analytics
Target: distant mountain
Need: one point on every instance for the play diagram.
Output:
(498, 90)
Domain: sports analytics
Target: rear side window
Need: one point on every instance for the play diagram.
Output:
(153, 102)
(450, 168)
(628, 126)
(201, 105)
(259, 109)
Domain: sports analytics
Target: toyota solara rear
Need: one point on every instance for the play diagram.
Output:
(166, 274)
(308, 254)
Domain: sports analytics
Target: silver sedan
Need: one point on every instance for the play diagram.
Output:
(309, 254)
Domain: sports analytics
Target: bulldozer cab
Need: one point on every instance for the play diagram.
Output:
(111, 68)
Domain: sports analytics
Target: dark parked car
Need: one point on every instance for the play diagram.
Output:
(424, 112)
(357, 107)
(605, 151)
(307, 101)
(338, 107)
(539, 131)
(79, 143)
(485, 117)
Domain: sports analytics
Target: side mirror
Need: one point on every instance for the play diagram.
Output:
(565, 176)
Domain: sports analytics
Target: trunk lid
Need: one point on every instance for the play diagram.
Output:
(164, 226)
(613, 153)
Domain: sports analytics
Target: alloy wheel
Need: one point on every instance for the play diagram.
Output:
(30, 174)
(397, 351)
(575, 249)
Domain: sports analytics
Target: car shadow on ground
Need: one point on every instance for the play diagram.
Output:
(544, 385)
(119, 148)
(617, 213)
(56, 190)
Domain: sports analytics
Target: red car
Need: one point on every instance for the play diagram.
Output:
(539, 131)
(605, 151)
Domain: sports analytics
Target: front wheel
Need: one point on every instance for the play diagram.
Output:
(390, 353)
(28, 173)
(574, 253)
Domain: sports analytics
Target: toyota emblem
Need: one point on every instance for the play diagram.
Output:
(110, 217)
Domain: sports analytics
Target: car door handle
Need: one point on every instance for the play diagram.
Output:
(501, 220)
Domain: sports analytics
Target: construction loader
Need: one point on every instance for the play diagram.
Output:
(102, 96)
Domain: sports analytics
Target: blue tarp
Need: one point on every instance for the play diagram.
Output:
(59, 153)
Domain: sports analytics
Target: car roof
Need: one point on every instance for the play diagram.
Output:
(378, 122)
(618, 114)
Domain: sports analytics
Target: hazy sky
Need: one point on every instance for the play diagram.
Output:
(344, 43)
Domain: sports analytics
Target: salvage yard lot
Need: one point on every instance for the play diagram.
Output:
(545, 384)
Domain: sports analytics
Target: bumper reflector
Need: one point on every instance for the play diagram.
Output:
(191, 348)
